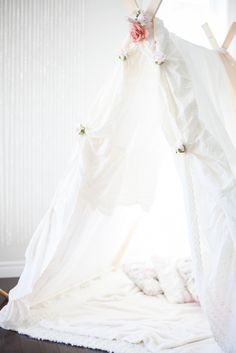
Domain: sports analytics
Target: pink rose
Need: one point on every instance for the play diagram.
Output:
(138, 32)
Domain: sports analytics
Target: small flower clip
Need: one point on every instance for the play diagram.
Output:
(80, 130)
(142, 18)
(123, 56)
(181, 149)
(159, 57)
(145, 20)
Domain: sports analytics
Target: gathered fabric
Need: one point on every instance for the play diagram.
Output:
(161, 85)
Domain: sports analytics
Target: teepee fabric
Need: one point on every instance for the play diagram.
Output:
(161, 84)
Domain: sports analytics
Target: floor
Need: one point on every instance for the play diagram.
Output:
(12, 342)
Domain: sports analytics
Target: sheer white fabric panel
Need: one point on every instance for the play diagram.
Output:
(42, 48)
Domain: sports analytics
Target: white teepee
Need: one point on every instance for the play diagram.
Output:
(160, 82)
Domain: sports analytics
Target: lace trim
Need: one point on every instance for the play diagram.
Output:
(112, 346)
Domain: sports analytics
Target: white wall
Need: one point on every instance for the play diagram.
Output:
(41, 92)
(55, 55)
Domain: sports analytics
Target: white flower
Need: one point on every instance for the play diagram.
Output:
(142, 18)
(159, 57)
(181, 148)
(123, 55)
(80, 130)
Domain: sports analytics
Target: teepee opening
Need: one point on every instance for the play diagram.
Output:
(162, 230)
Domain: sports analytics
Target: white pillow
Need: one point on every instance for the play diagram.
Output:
(171, 282)
(143, 277)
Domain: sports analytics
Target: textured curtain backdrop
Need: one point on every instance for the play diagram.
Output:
(42, 64)
(46, 47)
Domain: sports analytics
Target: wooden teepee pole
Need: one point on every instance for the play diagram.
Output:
(3, 293)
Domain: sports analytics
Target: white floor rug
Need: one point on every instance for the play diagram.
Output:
(112, 315)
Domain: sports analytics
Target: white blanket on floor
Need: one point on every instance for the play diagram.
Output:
(111, 314)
